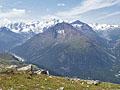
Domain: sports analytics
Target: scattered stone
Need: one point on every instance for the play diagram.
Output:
(61, 88)
(96, 82)
(72, 81)
(50, 76)
(88, 86)
(10, 89)
(82, 83)
(90, 82)
(45, 72)
(42, 72)
(25, 68)
(22, 85)
(76, 79)
(42, 87)
(38, 72)
(12, 67)
(45, 79)
(49, 88)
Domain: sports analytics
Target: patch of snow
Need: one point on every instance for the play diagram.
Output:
(103, 26)
(61, 31)
(19, 58)
(77, 25)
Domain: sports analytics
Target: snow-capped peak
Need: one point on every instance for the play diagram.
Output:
(32, 27)
(103, 26)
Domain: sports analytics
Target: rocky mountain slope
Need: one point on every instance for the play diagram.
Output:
(9, 39)
(109, 32)
(112, 34)
(22, 79)
(14, 34)
(68, 51)
(8, 61)
(89, 32)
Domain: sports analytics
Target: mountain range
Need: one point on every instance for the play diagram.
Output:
(9, 39)
(25, 30)
(72, 49)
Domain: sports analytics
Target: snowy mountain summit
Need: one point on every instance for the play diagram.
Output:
(103, 26)
(31, 27)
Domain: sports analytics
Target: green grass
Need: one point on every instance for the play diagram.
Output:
(8, 59)
(23, 81)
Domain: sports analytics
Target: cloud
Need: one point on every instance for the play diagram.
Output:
(11, 15)
(86, 6)
(60, 4)
(14, 13)
(109, 15)
(49, 17)
(4, 21)
(0, 6)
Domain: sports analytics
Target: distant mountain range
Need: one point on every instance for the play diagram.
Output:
(14, 34)
(9, 39)
(72, 49)
(25, 31)
(31, 27)
(104, 26)
(38, 26)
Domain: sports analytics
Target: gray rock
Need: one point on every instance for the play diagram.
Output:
(94, 82)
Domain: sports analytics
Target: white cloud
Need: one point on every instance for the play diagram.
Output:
(0, 6)
(60, 4)
(109, 15)
(86, 6)
(49, 17)
(4, 21)
(14, 13)
(11, 15)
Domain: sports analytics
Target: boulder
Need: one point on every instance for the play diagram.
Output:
(93, 82)
(41, 72)
(45, 72)
(25, 68)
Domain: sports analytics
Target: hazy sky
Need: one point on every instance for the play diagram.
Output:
(90, 11)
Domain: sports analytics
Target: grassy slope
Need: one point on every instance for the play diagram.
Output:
(8, 59)
(42, 82)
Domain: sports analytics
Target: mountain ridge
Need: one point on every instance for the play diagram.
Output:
(65, 50)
